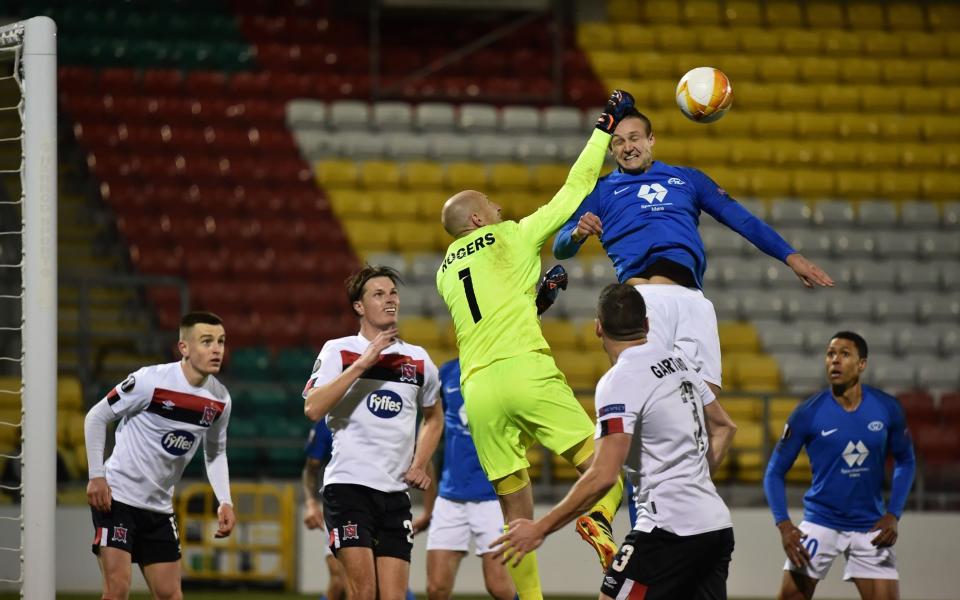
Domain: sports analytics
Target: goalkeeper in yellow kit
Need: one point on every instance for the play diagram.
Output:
(513, 390)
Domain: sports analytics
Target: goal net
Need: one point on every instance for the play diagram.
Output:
(28, 305)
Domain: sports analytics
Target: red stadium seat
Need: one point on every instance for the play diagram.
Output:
(119, 81)
(206, 84)
(918, 407)
(950, 410)
(162, 82)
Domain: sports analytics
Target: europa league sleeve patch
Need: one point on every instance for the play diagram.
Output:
(316, 366)
(128, 384)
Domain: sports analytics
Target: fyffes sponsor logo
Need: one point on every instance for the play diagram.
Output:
(384, 403)
(177, 442)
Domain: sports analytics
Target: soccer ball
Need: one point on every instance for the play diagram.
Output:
(704, 94)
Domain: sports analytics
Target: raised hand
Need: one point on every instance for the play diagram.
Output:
(617, 105)
(809, 273)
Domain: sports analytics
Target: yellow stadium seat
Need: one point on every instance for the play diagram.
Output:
(675, 39)
(549, 178)
(797, 97)
(701, 12)
(814, 184)
(901, 72)
(535, 455)
(921, 99)
(900, 127)
(757, 373)
(781, 407)
(800, 42)
(941, 128)
(588, 404)
(950, 156)
(69, 393)
(774, 124)
(653, 65)
(865, 15)
(738, 68)
(9, 392)
(634, 37)
(951, 99)
(836, 42)
(878, 44)
(857, 184)
(422, 331)
(75, 436)
(416, 236)
(577, 368)
(595, 36)
(858, 125)
(920, 156)
(559, 333)
(769, 183)
(738, 336)
(353, 204)
(755, 96)
(429, 204)
(816, 125)
(783, 14)
(943, 16)
(749, 436)
(742, 409)
(380, 175)
(750, 152)
(448, 334)
(879, 156)
(735, 180)
(759, 41)
(422, 175)
(672, 150)
(610, 63)
(734, 124)
(835, 155)
(80, 459)
(941, 72)
(898, 185)
(466, 175)
(368, 235)
(778, 69)
(792, 153)
(623, 11)
(587, 335)
(814, 69)
(662, 11)
(839, 98)
(337, 173)
(825, 15)
(859, 70)
(876, 98)
(951, 46)
(718, 40)
(510, 176)
(940, 186)
(397, 204)
(919, 44)
(742, 13)
(704, 154)
(902, 16)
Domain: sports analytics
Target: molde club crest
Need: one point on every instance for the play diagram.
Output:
(384, 403)
(177, 442)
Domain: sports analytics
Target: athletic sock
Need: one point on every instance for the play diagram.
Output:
(608, 505)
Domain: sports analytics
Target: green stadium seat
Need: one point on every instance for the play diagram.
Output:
(252, 364)
(294, 364)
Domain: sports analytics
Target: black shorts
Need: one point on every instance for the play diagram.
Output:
(149, 537)
(660, 565)
(358, 516)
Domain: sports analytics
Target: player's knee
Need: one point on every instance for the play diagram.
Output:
(438, 590)
(512, 483)
(499, 589)
(365, 589)
(171, 593)
(116, 586)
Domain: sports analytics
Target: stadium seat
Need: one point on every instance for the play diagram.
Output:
(759, 42)
(464, 175)
(825, 15)
(738, 337)
(903, 16)
(742, 13)
(560, 334)
(839, 43)
(476, 118)
(814, 69)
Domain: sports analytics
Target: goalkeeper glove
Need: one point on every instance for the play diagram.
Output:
(553, 281)
(618, 104)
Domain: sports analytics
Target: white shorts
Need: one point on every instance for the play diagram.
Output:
(683, 319)
(864, 560)
(455, 523)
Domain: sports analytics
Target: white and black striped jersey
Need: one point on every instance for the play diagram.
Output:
(655, 396)
(164, 420)
(374, 426)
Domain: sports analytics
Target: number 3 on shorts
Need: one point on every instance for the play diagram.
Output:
(408, 525)
(622, 558)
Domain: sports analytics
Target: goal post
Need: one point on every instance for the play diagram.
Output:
(34, 45)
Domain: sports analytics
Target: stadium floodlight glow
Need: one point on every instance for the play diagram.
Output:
(28, 58)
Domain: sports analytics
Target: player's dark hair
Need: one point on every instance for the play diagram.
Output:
(857, 340)
(199, 316)
(633, 113)
(355, 282)
(622, 312)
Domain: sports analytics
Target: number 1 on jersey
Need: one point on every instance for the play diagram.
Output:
(464, 276)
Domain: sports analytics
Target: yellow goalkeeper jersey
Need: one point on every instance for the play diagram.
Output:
(488, 277)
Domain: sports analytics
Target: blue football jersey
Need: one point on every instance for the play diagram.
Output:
(656, 214)
(320, 441)
(462, 478)
(847, 452)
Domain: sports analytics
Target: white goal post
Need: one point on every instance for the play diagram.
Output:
(33, 44)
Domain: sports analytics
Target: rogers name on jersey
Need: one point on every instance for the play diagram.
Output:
(177, 442)
(384, 404)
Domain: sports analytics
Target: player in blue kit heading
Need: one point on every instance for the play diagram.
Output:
(467, 507)
(646, 215)
(848, 431)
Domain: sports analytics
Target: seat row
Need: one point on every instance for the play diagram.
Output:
(777, 14)
(803, 373)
